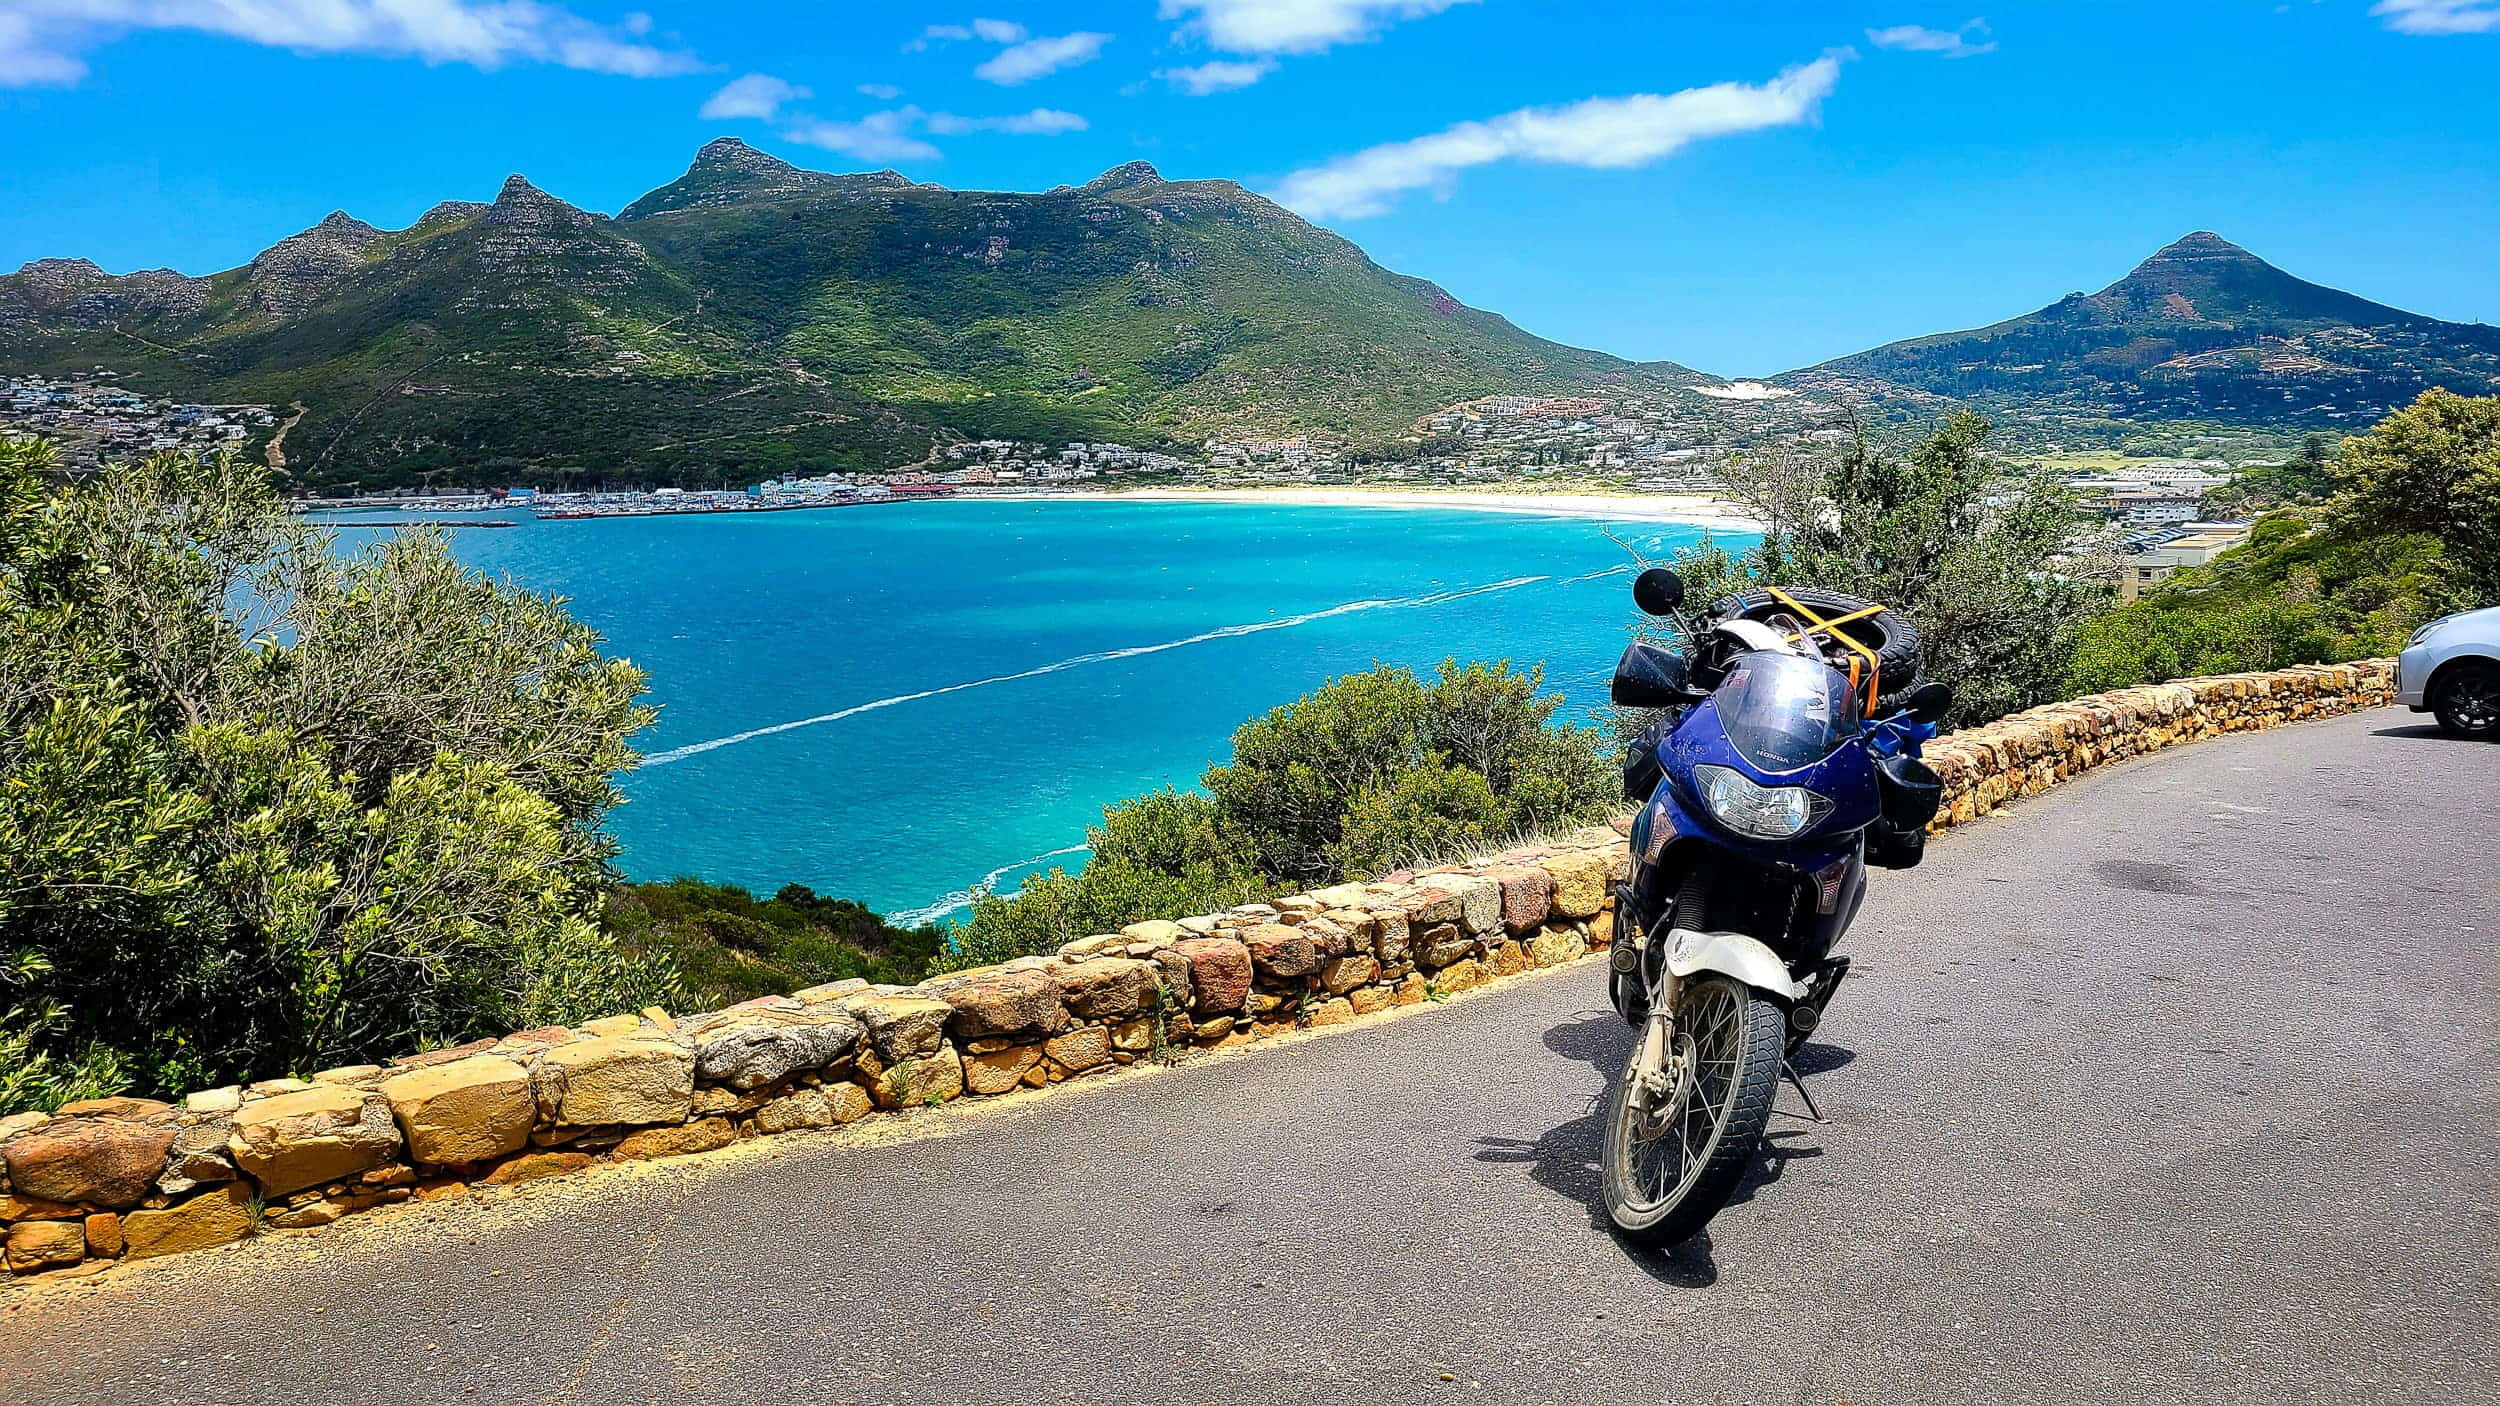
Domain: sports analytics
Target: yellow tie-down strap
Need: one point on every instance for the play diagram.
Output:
(1821, 626)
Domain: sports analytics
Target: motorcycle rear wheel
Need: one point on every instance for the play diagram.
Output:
(1672, 1160)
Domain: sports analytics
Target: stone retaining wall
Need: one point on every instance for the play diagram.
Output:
(129, 1178)
(2029, 752)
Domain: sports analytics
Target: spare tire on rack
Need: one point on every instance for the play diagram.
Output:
(1887, 632)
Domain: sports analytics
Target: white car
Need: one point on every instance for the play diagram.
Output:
(2451, 667)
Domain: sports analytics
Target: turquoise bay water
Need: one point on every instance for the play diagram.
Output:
(896, 703)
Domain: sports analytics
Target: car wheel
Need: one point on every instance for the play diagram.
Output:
(2467, 698)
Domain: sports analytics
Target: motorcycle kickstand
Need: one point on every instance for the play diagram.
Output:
(1813, 1114)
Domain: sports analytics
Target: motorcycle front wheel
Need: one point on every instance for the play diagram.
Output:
(1680, 1133)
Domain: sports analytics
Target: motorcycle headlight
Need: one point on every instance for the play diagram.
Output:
(1764, 812)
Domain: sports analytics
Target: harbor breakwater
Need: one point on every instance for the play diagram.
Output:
(111, 1180)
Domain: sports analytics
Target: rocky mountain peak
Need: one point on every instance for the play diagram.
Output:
(295, 272)
(79, 293)
(727, 171)
(60, 270)
(338, 232)
(2204, 277)
(452, 210)
(2203, 243)
(1126, 176)
(518, 192)
(729, 155)
(522, 205)
(2202, 254)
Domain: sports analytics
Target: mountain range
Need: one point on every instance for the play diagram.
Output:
(752, 318)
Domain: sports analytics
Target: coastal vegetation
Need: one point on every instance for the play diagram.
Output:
(265, 809)
(1369, 772)
(2403, 524)
(2298, 593)
(2308, 477)
(728, 946)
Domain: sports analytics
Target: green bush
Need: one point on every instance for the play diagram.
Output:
(1298, 772)
(731, 946)
(265, 810)
(1432, 808)
(1368, 772)
(2297, 593)
(2432, 469)
(2308, 478)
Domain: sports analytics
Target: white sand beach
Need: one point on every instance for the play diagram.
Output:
(1696, 509)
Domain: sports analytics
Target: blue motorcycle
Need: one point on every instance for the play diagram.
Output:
(1783, 761)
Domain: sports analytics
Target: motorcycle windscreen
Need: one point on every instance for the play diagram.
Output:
(1782, 711)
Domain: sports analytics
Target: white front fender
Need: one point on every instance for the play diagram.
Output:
(1731, 954)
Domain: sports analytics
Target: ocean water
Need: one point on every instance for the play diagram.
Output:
(898, 703)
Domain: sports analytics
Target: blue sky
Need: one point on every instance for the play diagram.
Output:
(1743, 188)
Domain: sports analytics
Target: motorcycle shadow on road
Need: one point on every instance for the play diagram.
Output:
(1564, 1159)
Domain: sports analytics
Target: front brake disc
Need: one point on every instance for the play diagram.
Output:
(1659, 1096)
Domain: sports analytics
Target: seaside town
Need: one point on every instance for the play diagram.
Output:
(94, 420)
(1642, 444)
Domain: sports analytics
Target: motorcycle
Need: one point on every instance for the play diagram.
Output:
(1784, 762)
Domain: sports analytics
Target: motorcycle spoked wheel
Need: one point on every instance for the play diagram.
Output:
(1680, 1136)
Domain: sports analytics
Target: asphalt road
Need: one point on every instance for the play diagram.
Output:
(2176, 1084)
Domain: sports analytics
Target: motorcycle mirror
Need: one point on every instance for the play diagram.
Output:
(1658, 591)
(1929, 702)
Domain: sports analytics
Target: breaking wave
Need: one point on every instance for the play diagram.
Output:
(962, 898)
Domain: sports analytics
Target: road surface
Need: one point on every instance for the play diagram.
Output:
(2176, 1084)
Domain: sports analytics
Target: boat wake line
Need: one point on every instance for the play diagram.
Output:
(1287, 622)
(962, 898)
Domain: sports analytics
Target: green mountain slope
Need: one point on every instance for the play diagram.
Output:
(2203, 330)
(754, 318)
(1191, 305)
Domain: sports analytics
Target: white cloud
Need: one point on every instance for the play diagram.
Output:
(995, 31)
(1217, 76)
(43, 41)
(29, 57)
(1035, 58)
(2439, 16)
(1025, 59)
(1605, 133)
(1294, 26)
(1962, 43)
(880, 136)
(882, 92)
(1040, 122)
(758, 95)
(896, 134)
